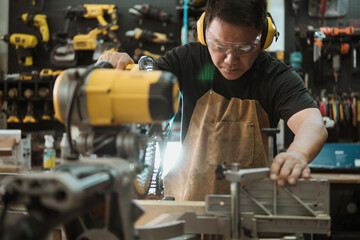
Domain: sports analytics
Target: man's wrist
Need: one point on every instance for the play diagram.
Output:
(301, 155)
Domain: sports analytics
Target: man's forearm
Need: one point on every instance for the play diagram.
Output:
(310, 136)
(309, 139)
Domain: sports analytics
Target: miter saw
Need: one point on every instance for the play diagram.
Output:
(112, 110)
(110, 107)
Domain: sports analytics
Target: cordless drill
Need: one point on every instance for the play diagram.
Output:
(38, 21)
(24, 43)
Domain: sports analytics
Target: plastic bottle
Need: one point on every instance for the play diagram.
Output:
(64, 147)
(49, 152)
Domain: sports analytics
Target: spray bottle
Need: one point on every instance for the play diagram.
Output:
(64, 147)
(49, 152)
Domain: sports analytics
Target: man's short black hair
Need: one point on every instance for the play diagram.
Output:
(238, 12)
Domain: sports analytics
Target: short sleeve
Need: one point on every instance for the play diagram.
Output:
(291, 95)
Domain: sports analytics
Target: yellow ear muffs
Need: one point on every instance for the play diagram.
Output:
(268, 34)
(200, 29)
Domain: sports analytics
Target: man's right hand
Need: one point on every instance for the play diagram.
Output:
(117, 59)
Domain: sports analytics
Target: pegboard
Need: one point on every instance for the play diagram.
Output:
(55, 11)
(348, 81)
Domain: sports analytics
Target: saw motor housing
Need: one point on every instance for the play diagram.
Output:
(108, 105)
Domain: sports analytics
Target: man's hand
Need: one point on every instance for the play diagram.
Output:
(117, 59)
(287, 167)
(310, 136)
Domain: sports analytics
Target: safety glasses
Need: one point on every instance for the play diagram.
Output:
(236, 48)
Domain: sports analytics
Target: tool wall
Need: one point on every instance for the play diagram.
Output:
(330, 67)
(46, 37)
(81, 23)
(322, 42)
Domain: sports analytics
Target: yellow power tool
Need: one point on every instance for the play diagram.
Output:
(110, 97)
(99, 10)
(49, 74)
(111, 106)
(38, 21)
(90, 41)
(24, 43)
(101, 39)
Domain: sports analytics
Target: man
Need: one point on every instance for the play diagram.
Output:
(231, 90)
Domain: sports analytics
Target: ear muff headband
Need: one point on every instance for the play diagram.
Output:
(268, 34)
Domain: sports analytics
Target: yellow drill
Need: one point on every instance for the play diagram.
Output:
(24, 43)
(38, 21)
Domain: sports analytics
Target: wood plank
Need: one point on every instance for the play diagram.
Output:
(338, 177)
(6, 146)
(154, 208)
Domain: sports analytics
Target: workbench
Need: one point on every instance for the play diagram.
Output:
(344, 204)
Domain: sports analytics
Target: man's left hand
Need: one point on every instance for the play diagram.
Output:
(287, 167)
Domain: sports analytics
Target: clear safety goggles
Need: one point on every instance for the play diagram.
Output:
(236, 48)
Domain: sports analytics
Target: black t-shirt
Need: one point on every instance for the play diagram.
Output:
(279, 89)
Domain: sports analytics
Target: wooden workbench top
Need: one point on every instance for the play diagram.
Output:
(338, 177)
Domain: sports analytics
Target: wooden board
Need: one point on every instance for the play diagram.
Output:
(6, 146)
(338, 177)
(154, 209)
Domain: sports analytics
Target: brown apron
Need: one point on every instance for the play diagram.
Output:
(221, 131)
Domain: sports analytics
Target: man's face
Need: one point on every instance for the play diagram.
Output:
(233, 48)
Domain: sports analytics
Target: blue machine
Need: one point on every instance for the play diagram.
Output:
(340, 157)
